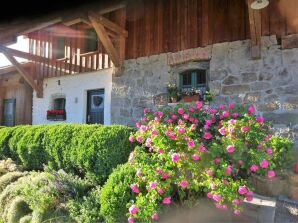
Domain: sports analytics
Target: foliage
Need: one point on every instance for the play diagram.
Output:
(86, 209)
(8, 165)
(209, 96)
(8, 178)
(17, 209)
(172, 90)
(192, 147)
(115, 194)
(90, 151)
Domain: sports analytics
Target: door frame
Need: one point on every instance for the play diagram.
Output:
(88, 101)
(14, 110)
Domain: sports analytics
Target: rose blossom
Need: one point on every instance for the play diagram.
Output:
(180, 111)
(230, 149)
(222, 131)
(185, 116)
(209, 172)
(254, 168)
(135, 188)
(133, 209)
(207, 135)
(154, 132)
(269, 151)
(130, 220)
(183, 183)
(174, 117)
(216, 197)
(160, 191)
(139, 139)
(245, 128)
(260, 119)
(231, 105)
(195, 156)
(235, 115)
(139, 173)
(152, 185)
(165, 175)
(264, 163)
(213, 111)
(160, 151)
(202, 148)
(222, 107)
(191, 143)
(271, 173)
(232, 121)
(236, 201)
(225, 114)
(131, 139)
(251, 109)
(210, 195)
(166, 200)
(175, 157)
(154, 216)
(181, 130)
(229, 169)
(199, 104)
(242, 190)
(237, 212)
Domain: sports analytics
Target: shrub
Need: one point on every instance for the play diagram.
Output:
(90, 151)
(115, 194)
(18, 209)
(193, 146)
(8, 165)
(87, 208)
(8, 178)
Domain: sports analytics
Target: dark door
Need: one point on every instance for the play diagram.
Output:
(9, 111)
(95, 106)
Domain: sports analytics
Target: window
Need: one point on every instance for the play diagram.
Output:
(60, 48)
(59, 104)
(91, 41)
(193, 79)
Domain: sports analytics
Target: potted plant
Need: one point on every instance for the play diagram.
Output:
(208, 96)
(172, 92)
(190, 95)
(56, 115)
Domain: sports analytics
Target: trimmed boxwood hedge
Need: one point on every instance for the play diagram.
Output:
(90, 151)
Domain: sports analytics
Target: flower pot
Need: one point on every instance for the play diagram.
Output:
(174, 99)
(293, 186)
(190, 98)
(269, 186)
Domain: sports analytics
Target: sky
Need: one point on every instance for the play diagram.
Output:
(22, 45)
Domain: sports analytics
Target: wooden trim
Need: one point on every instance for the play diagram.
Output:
(23, 73)
(255, 30)
(104, 38)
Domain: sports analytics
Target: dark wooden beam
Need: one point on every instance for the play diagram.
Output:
(255, 30)
(24, 73)
(111, 25)
(105, 39)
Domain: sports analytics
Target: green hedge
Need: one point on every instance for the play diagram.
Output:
(90, 151)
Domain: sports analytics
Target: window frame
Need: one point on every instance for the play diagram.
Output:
(194, 84)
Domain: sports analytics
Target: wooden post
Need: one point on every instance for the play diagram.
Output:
(255, 30)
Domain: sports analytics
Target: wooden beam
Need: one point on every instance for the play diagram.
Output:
(111, 25)
(105, 39)
(23, 73)
(255, 31)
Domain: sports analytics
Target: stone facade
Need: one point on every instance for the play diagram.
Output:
(269, 83)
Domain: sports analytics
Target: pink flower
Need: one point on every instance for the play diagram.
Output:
(174, 117)
(160, 151)
(231, 105)
(191, 143)
(225, 114)
(191, 109)
(166, 200)
(207, 135)
(154, 216)
(133, 209)
(160, 113)
(242, 190)
(230, 149)
(216, 197)
(251, 109)
(222, 131)
(152, 185)
(146, 110)
(249, 198)
(135, 188)
(229, 169)
(264, 163)
(195, 156)
(237, 212)
(269, 151)
(253, 168)
(170, 121)
(222, 107)
(208, 122)
(260, 119)
(245, 128)
(175, 157)
(235, 115)
(139, 173)
(202, 148)
(209, 172)
(185, 116)
(180, 111)
(213, 111)
(130, 220)
(231, 129)
(240, 162)
(232, 121)
(131, 139)
(165, 175)
(160, 191)
(271, 173)
(183, 183)
(236, 201)
(159, 170)
(139, 139)
(181, 130)
(199, 104)
(210, 195)
(216, 160)
(154, 132)
(138, 125)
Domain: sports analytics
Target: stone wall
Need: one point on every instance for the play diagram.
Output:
(269, 83)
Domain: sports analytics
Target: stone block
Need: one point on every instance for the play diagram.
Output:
(252, 97)
(231, 80)
(259, 86)
(248, 77)
(235, 89)
(286, 118)
(271, 103)
(283, 77)
(215, 87)
(291, 102)
(219, 74)
(265, 76)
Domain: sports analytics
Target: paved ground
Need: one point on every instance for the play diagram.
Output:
(286, 211)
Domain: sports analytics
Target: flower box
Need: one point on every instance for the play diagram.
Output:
(56, 115)
(190, 98)
(266, 186)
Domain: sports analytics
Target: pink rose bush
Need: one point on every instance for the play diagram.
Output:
(193, 148)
